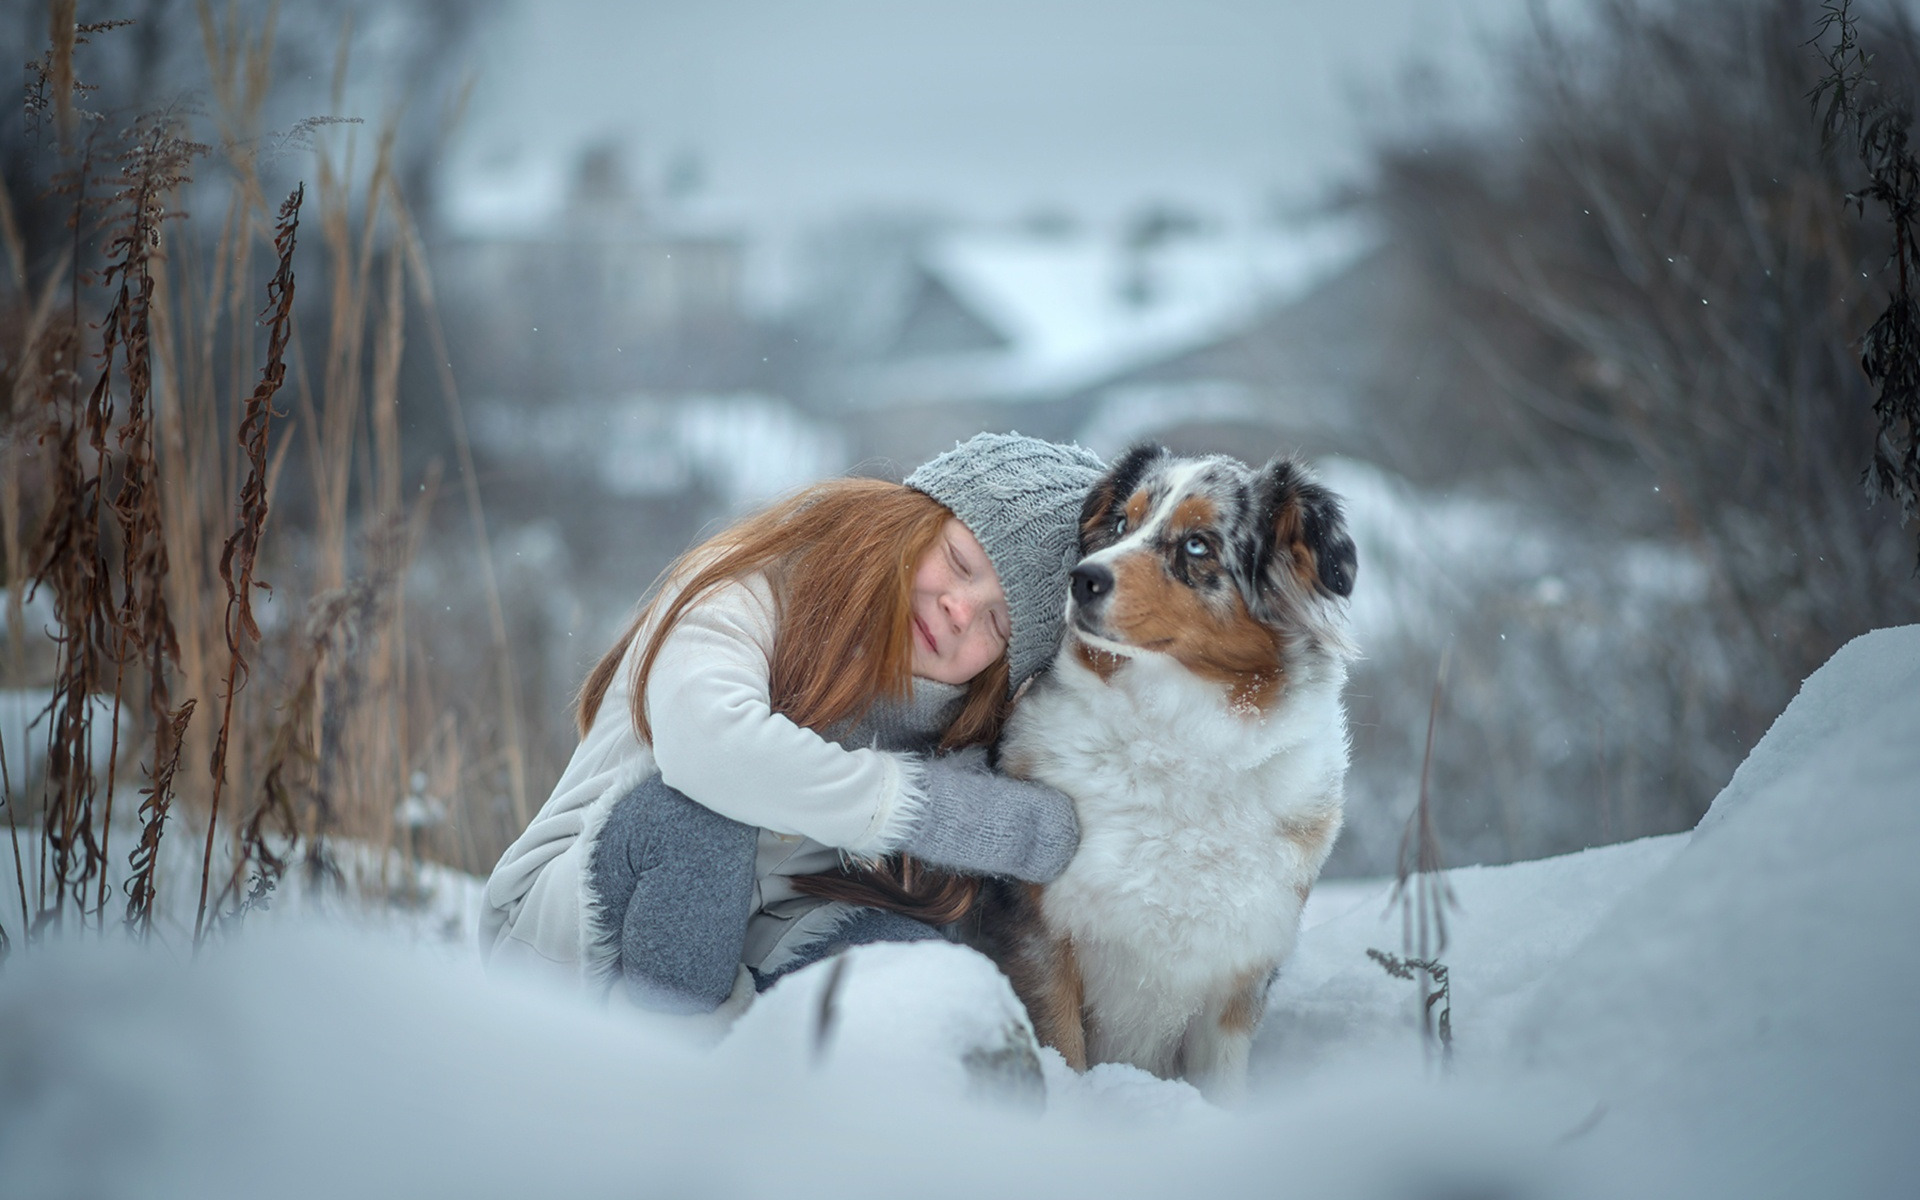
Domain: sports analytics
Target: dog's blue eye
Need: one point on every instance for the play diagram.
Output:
(1120, 523)
(1197, 546)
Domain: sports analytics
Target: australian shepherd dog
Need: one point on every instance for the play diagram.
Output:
(1194, 716)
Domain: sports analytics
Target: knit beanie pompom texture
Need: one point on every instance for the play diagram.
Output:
(1021, 497)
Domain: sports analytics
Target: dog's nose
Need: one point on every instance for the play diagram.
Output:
(1090, 582)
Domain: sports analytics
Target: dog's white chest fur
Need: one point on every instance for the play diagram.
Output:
(1202, 829)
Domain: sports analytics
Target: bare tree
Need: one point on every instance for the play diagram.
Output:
(1639, 301)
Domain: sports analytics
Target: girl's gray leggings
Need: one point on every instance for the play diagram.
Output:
(675, 879)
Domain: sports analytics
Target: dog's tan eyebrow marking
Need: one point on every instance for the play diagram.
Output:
(1138, 506)
(1195, 512)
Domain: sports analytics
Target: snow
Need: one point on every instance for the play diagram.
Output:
(1750, 1009)
(1875, 677)
(1514, 927)
(1078, 309)
(1723, 1013)
(381, 893)
(1063, 303)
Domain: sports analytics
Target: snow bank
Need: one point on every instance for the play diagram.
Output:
(334, 1065)
(918, 1020)
(1747, 1016)
(1873, 678)
(1513, 927)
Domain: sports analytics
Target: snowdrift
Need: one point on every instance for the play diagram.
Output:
(1749, 1011)
(1726, 1013)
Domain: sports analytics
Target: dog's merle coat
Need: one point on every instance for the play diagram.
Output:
(1194, 715)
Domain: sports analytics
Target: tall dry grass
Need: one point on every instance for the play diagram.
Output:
(161, 380)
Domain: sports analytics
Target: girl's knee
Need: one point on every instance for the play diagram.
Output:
(675, 817)
(655, 823)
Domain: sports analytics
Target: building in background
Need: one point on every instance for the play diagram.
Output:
(605, 292)
(1103, 338)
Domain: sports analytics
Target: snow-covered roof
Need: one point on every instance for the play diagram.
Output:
(1079, 309)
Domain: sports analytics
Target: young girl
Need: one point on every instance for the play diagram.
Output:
(773, 713)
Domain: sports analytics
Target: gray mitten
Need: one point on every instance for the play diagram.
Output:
(987, 824)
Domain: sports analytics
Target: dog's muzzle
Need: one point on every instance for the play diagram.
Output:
(1091, 584)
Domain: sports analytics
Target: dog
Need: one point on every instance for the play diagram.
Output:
(1194, 715)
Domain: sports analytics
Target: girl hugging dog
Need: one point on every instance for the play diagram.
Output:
(806, 690)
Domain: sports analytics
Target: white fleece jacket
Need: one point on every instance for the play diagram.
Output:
(717, 739)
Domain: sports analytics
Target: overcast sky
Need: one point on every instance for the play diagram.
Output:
(803, 109)
(980, 105)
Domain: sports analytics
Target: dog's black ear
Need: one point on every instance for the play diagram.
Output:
(1304, 531)
(1105, 500)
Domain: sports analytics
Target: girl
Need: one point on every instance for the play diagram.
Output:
(773, 713)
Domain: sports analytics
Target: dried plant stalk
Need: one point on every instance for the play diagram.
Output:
(61, 32)
(509, 695)
(70, 560)
(1423, 896)
(74, 568)
(1421, 890)
(154, 166)
(145, 858)
(1435, 982)
(238, 556)
(329, 690)
(43, 367)
(10, 238)
(276, 810)
(369, 605)
(133, 487)
(13, 832)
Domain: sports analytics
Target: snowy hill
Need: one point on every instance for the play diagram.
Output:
(1726, 1013)
(1749, 1011)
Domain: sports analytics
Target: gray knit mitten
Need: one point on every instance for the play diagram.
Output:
(988, 824)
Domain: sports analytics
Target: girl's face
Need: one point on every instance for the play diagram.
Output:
(960, 618)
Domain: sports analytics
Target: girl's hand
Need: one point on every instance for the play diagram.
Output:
(987, 824)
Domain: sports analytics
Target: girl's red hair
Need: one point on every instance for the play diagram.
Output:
(841, 557)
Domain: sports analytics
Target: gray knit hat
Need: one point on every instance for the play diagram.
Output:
(1021, 497)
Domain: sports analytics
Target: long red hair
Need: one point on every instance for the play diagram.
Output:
(841, 557)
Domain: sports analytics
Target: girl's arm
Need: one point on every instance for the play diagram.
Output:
(717, 738)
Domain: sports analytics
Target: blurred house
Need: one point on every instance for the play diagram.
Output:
(618, 393)
(1171, 329)
(601, 292)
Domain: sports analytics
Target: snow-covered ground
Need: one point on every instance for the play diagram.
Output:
(1723, 1013)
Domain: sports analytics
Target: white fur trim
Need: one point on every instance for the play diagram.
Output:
(600, 937)
(891, 825)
